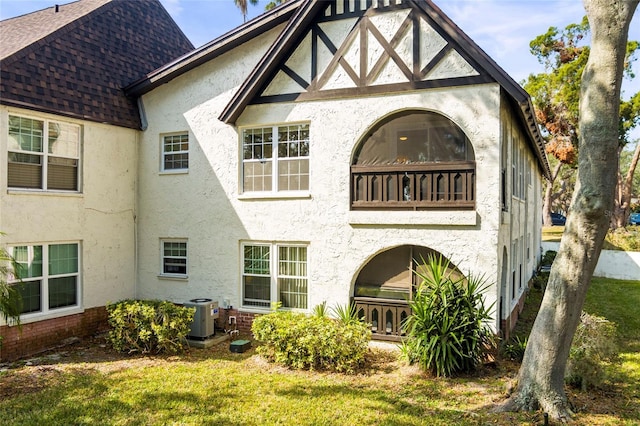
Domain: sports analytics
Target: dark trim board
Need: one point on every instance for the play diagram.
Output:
(374, 90)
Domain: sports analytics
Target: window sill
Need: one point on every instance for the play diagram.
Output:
(423, 218)
(56, 313)
(174, 172)
(263, 311)
(173, 277)
(284, 195)
(41, 192)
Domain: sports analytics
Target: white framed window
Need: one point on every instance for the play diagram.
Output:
(275, 158)
(43, 154)
(175, 152)
(47, 276)
(274, 272)
(174, 258)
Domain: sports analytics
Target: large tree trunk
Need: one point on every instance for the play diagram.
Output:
(622, 200)
(541, 376)
(548, 195)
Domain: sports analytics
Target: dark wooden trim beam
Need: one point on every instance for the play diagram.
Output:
(375, 90)
(295, 77)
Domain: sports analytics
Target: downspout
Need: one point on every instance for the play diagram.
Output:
(143, 115)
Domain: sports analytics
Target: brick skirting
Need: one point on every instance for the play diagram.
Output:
(39, 336)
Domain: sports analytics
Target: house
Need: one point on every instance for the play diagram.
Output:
(315, 154)
(68, 212)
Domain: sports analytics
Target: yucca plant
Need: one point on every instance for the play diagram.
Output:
(10, 296)
(321, 310)
(447, 331)
(347, 314)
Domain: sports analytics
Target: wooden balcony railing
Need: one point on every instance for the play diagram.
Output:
(414, 186)
(385, 316)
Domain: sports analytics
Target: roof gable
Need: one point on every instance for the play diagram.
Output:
(380, 49)
(333, 49)
(78, 65)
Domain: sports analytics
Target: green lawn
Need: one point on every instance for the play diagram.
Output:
(622, 239)
(90, 384)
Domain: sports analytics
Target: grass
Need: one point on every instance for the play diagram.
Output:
(91, 384)
(626, 239)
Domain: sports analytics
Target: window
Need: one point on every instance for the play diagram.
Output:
(285, 167)
(175, 152)
(174, 258)
(43, 154)
(274, 273)
(49, 274)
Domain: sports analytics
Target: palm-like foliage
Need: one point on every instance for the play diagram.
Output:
(273, 4)
(10, 298)
(243, 5)
(447, 331)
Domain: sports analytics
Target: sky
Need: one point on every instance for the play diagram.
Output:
(502, 28)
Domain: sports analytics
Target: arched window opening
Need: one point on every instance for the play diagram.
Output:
(414, 160)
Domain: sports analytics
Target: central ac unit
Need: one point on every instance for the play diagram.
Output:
(203, 324)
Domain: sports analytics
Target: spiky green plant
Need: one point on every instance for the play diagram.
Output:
(347, 314)
(321, 310)
(448, 330)
(10, 297)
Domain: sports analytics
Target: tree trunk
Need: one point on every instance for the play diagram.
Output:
(541, 376)
(548, 195)
(622, 201)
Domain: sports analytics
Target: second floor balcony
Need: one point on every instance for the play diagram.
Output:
(447, 185)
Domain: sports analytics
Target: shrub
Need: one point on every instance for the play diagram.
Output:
(447, 331)
(149, 326)
(514, 349)
(594, 346)
(311, 342)
(539, 281)
(548, 257)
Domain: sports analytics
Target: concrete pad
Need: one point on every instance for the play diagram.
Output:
(207, 343)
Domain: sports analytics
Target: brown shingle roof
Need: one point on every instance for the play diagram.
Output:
(75, 62)
(19, 32)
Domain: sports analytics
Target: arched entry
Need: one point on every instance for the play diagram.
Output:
(386, 284)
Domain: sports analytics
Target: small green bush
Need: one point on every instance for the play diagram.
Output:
(514, 349)
(311, 342)
(447, 331)
(539, 281)
(594, 347)
(149, 326)
(548, 257)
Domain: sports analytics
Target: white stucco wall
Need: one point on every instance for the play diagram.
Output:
(619, 265)
(205, 207)
(522, 220)
(101, 217)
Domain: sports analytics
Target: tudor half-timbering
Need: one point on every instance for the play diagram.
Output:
(314, 153)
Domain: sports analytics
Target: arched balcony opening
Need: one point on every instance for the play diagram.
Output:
(414, 160)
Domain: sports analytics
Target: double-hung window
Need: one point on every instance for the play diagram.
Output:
(47, 276)
(174, 258)
(175, 152)
(274, 273)
(275, 158)
(43, 154)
